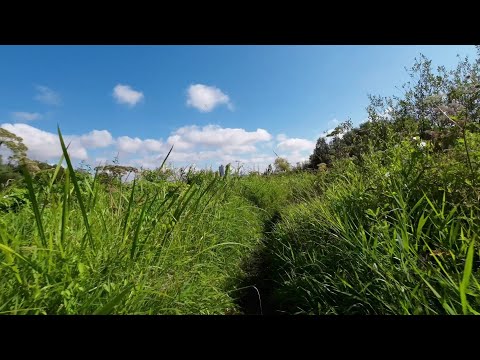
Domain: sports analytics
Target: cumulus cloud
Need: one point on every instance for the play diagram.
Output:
(296, 157)
(132, 145)
(227, 139)
(207, 145)
(153, 145)
(295, 144)
(25, 116)
(124, 94)
(47, 95)
(294, 149)
(128, 144)
(206, 98)
(96, 139)
(43, 145)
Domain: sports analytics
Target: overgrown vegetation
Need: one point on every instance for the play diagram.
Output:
(382, 219)
(395, 227)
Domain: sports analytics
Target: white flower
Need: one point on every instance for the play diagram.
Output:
(423, 144)
(387, 174)
(415, 138)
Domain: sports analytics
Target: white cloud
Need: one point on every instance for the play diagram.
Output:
(128, 144)
(147, 162)
(295, 144)
(179, 142)
(294, 149)
(153, 145)
(132, 145)
(296, 156)
(206, 98)
(227, 139)
(124, 94)
(43, 145)
(210, 144)
(96, 139)
(47, 95)
(25, 116)
(207, 145)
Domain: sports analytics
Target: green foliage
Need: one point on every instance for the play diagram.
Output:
(281, 164)
(395, 228)
(386, 221)
(272, 193)
(148, 248)
(383, 240)
(115, 173)
(8, 174)
(157, 175)
(14, 143)
(12, 198)
(321, 154)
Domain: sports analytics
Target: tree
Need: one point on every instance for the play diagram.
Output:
(15, 144)
(436, 105)
(281, 164)
(321, 154)
(18, 155)
(114, 172)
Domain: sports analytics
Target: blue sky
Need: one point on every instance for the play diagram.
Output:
(217, 104)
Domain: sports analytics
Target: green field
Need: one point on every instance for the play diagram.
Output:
(383, 219)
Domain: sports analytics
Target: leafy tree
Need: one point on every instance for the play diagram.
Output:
(18, 155)
(321, 154)
(14, 143)
(436, 105)
(281, 164)
(109, 173)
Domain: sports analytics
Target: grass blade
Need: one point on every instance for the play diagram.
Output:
(137, 229)
(66, 191)
(77, 188)
(38, 220)
(108, 307)
(467, 272)
(6, 249)
(127, 215)
(52, 180)
(164, 160)
(55, 174)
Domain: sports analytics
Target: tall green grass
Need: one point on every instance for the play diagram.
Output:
(395, 233)
(139, 248)
(384, 237)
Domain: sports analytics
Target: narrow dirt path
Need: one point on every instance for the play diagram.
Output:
(256, 290)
